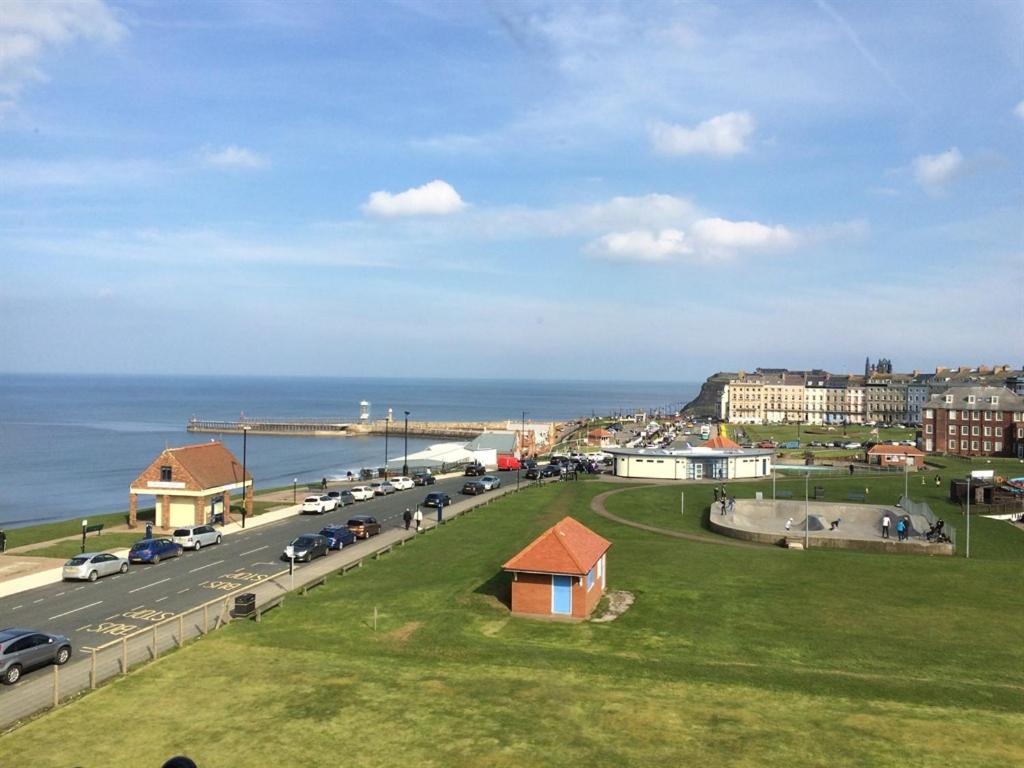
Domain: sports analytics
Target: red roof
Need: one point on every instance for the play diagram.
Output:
(899, 450)
(566, 547)
(208, 465)
(599, 433)
(720, 442)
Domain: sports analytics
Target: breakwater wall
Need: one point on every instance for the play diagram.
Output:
(455, 430)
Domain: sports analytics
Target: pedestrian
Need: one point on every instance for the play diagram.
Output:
(323, 484)
(789, 523)
(418, 517)
(886, 522)
(900, 528)
(722, 504)
(906, 528)
(938, 480)
(407, 517)
(3, 541)
(866, 491)
(851, 469)
(732, 505)
(835, 524)
(716, 494)
(149, 530)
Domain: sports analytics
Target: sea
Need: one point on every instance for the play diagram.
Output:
(70, 445)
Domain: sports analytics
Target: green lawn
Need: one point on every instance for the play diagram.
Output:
(729, 657)
(93, 543)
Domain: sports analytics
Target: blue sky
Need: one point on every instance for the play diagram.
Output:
(540, 190)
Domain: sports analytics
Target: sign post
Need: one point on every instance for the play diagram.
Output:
(85, 524)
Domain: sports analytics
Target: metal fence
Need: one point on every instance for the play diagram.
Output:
(922, 509)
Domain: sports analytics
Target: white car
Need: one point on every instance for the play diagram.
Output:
(196, 536)
(316, 505)
(490, 482)
(851, 446)
(92, 565)
(362, 492)
(403, 483)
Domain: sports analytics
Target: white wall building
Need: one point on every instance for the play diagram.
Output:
(691, 463)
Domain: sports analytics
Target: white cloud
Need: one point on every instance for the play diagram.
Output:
(741, 235)
(724, 135)
(436, 198)
(641, 245)
(29, 27)
(936, 172)
(1019, 110)
(233, 157)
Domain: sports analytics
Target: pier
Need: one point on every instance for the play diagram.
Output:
(337, 428)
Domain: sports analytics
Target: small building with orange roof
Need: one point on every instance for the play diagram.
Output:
(718, 441)
(599, 437)
(562, 572)
(898, 456)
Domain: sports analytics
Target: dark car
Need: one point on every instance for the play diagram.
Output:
(475, 470)
(364, 526)
(551, 470)
(437, 500)
(343, 498)
(473, 488)
(532, 473)
(153, 550)
(338, 536)
(306, 547)
(25, 649)
(423, 478)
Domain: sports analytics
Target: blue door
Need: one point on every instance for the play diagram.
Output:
(561, 594)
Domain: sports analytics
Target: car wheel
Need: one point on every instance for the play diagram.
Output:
(156, 559)
(124, 567)
(218, 538)
(12, 675)
(62, 656)
(198, 545)
(93, 575)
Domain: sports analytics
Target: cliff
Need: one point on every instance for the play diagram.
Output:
(706, 402)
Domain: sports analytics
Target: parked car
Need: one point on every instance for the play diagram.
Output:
(91, 565)
(532, 473)
(423, 478)
(475, 470)
(851, 446)
(490, 482)
(329, 502)
(342, 498)
(24, 649)
(306, 547)
(402, 483)
(383, 488)
(473, 488)
(551, 470)
(314, 505)
(153, 550)
(196, 536)
(338, 536)
(507, 463)
(363, 526)
(361, 492)
(437, 499)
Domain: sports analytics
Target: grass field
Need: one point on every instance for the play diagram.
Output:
(729, 657)
(93, 543)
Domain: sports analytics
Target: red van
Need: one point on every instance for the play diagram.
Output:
(508, 462)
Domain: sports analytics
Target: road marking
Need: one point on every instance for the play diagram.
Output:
(161, 598)
(208, 565)
(60, 594)
(139, 589)
(81, 587)
(15, 607)
(38, 601)
(183, 591)
(265, 546)
(74, 610)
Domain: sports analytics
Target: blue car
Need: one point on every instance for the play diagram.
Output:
(153, 550)
(338, 536)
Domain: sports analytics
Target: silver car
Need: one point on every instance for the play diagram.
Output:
(196, 536)
(25, 649)
(490, 482)
(89, 566)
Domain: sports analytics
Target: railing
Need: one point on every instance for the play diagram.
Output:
(921, 508)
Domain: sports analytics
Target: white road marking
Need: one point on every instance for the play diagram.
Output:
(16, 607)
(265, 546)
(38, 601)
(208, 565)
(161, 598)
(81, 587)
(74, 610)
(139, 589)
(183, 591)
(60, 594)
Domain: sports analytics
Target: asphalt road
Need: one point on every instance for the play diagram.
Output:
(94, 613)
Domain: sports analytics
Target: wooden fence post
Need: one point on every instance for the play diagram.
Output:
(206, 618)
(181, 629)
(156, 648)
(124, 655)
(92, 671)
(56, 685)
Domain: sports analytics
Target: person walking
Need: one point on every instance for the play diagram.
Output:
(938, 480)
(323, 484)
(407, 517)
(418, 517)
(900, 528)
(3, 541)
(886, 522)
(851, 469)
(722, 505)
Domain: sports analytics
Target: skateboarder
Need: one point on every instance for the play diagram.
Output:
(886, 522)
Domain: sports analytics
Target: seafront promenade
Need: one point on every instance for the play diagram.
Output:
(341, 428)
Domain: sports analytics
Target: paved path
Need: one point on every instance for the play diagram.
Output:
(597, 505)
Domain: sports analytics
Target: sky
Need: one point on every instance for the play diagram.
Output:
(509, 189)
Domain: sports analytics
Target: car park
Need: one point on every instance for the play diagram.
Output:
(490, 482)
(305, 547)
(437, 499)
(402, 483)
(363, 526)
(90, 566)
(361, 492)
(314, 505)
(22, 650)
(338, 536)
(474, 488)
(342, 498)
(475, 470)
(153, 550)
(423, 478)
(196, 536)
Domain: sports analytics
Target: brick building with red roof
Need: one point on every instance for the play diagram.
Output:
(895, 456)
(563, 572)
(189, 483)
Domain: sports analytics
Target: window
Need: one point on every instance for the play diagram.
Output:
(988, 445)
(994, 400)
(999, 431)
(964, 430)
(963, 445)
(974, 445)
(974, 431)
(590, 579)
(997, 415)
(927, 429)
(975, 416)
(165, 474)
(970, 399)
(949, 398)
(999, 446)
(988, 416)
(988, 431)
(1020, 432)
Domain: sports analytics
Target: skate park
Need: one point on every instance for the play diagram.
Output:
(859, 528)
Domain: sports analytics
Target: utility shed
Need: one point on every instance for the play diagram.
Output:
(188, 483)
(560, 573)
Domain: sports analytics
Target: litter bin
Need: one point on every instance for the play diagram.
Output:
(245, 604)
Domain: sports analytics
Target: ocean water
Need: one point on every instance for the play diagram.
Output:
(70, 445)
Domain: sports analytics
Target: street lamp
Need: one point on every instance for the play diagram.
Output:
(522, 446)
(405, 461)
(295, 487)
(807, 514)
(245, 436)
(387, 424)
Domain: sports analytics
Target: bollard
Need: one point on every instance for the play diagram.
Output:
(181, 629)
(92, 671)
(56, 685)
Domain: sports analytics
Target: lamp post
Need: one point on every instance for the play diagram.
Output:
(387, 424)
(405, 461)
(807, 508)
(295, 487)
(245, 436)
(522, 451)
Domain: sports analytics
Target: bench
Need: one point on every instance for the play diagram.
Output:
(852, 496)
(271, 603)
(316, 583)
(784, 495)
(819, 492)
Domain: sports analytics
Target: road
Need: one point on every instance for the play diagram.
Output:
(94, 613)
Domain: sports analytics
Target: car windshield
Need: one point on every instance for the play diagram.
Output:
(304, 541)
(183, 532)
(313, 499)
(77, 561)
(356, 521)
(141, 545)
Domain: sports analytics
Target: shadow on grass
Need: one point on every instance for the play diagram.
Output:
(499, 586)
